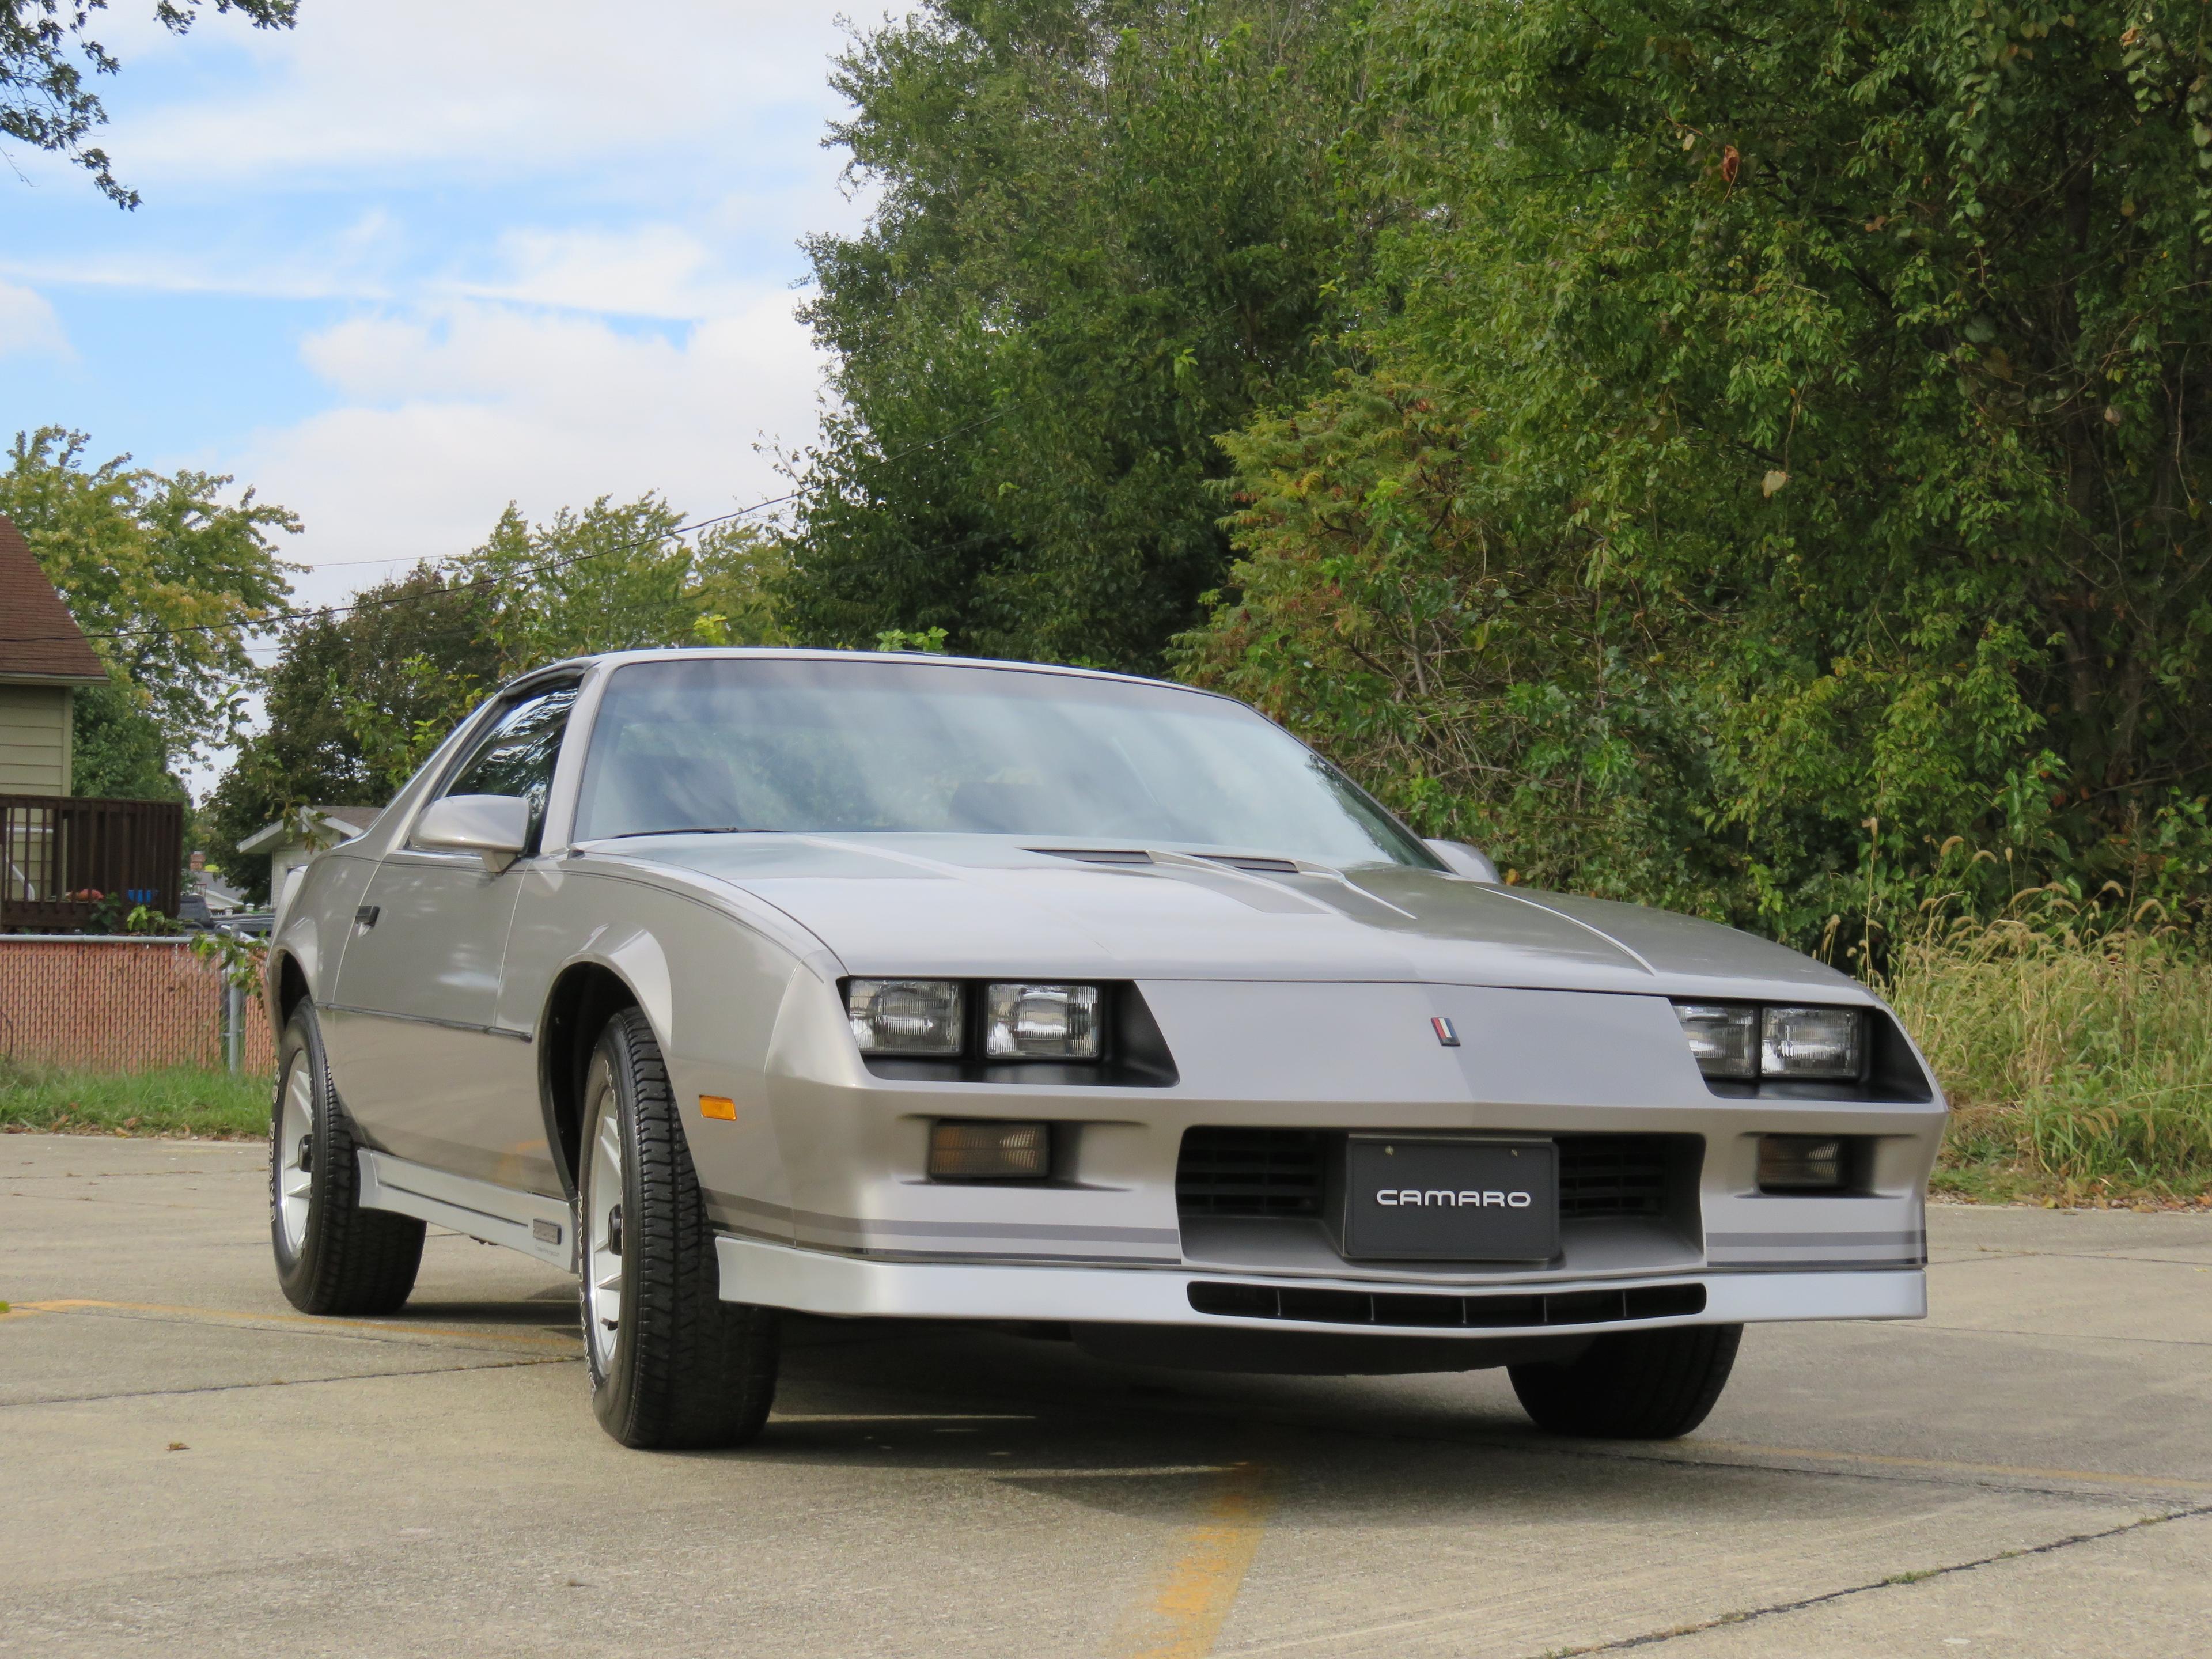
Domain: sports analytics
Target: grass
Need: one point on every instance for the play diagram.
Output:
(2078, 1069)
(182, 1101)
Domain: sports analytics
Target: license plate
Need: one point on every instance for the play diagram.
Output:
(1451, 1201)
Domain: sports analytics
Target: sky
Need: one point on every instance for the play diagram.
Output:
(408, 261)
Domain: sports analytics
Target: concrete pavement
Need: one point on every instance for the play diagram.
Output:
(187, 1467)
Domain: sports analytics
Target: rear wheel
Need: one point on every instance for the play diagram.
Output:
(332, 1256)
(1631, 1385)
(674, 1366)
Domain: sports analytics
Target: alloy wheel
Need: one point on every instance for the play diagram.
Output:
(602, 1221)
(295, 1137)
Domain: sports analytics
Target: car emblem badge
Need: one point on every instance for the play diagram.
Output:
(1446, 1034)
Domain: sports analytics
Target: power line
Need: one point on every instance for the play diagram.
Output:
(327, 611)
(321, 611)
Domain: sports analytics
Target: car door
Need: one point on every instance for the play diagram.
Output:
(420, 1059)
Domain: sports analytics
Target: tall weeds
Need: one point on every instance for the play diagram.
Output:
(2079, 1065)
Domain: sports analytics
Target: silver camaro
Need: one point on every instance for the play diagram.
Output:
(744, 981)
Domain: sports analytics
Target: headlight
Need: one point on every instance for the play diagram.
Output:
(1042, 1022)
(905, 1016)
(1741, 1040)
(1811, 1042)
(1723, 1036)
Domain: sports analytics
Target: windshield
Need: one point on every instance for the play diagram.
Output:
(866, 745)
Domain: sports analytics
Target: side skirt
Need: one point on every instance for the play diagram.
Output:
(536, 1225)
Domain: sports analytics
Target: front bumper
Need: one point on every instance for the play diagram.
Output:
(814, 1281)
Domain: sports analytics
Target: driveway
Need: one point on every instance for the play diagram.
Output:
(187, 1467)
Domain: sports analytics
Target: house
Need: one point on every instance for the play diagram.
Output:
(62, 856)
(44, 658)
(298, 836)
(208, 899)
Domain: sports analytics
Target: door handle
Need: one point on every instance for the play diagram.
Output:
(365, 917)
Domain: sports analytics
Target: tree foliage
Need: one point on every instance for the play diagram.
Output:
(1104, 234)
(167, 579)
(361, 694)
(1746, 457)
(44, 100)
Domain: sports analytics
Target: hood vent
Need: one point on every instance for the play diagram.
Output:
(1097, 855)
(1257, 866)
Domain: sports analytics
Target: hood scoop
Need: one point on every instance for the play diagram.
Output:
(1251, 863)
(1097, 855)
(1256, 866)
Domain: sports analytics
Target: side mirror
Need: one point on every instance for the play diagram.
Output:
(1464, 861)
(497, 826)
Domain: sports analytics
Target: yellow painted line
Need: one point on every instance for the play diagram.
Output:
(2013, 1471)
(229, 1315)
(1193, 1601)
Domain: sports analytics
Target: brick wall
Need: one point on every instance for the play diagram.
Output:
(119, 1004)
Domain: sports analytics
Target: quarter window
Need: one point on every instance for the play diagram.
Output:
(516, 757)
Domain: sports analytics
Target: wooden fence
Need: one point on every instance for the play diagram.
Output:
(57, 849)
(120, 1005)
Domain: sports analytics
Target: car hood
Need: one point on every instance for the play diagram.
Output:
(987, 906)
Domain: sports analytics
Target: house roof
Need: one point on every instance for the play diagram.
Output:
(312, 822)
(40, 641)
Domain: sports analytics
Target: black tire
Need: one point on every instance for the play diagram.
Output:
(1631, 1385)
(339, 1258)
(676, 1368)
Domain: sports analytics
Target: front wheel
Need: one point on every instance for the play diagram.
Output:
(332, 1256)
(1631, 1385)
(674, 1366)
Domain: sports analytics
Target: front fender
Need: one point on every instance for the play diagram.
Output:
(313, 928)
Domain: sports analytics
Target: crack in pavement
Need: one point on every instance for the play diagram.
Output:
(1653, 1639)
(279, 1324)
(288, 1382)
(2118, 1253)
(1934, 1472)
(1921, 1326)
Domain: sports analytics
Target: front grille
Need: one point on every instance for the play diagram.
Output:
(1281, 1172)
(1613, 1175)
(1265, 1172)
(1420, 1310)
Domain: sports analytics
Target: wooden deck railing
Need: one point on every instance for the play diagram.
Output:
(60, 854)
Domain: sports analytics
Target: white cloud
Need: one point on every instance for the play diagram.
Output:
(494, 88)
(651, 270)
(445, 416)
(28, 326)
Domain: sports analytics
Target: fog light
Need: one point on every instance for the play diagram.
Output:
(989, 1151)
(1810, 1043)
(1800, 1163)
(1042, 1022)
(1723, 1037)
(905, 1016)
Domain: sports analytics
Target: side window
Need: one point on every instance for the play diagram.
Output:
(516, 757)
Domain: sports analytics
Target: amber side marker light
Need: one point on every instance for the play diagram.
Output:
(720, 1106)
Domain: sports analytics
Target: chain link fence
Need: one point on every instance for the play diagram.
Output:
(125, 1003)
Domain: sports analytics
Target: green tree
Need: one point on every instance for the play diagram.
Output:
(616, 577)
(361, 694)
(345, 688)
(168, 580)
(44, 100)
(1104, 233)
(1779, 468)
